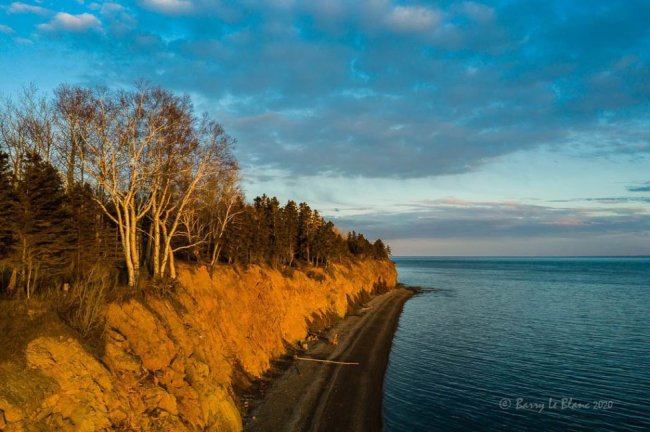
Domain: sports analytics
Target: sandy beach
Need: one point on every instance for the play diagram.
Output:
(315, 396)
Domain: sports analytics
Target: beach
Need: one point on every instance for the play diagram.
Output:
(318, 396)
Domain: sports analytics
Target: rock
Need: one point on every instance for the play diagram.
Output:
(169, 364)
(157, 398)
(86, 399)
(10, 414)
(143, 332)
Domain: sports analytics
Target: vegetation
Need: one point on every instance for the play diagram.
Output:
(129, 182)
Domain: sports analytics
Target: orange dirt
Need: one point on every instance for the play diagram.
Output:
(171, 363)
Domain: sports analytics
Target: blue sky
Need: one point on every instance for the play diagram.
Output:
(446, 128)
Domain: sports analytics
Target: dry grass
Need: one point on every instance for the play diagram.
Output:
(82, 306)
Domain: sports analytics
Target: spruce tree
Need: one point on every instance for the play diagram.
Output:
(305, 232)
(7, 207)
(91, 239)
(274, 229)
(290, 231)
(237, 238)
(41, 225)
(379, 250)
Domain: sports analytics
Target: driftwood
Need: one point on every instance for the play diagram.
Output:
(326, 361)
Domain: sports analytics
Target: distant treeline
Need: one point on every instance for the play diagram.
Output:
(266, 232)
(132, 180)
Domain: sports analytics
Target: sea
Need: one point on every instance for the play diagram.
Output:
(521, 344)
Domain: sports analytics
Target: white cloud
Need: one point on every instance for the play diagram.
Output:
(478, 12)
(18, 7)
(6, 29)
(413, 18)
(23, 41)
(168, 6)
(63, 21)
(110, 7)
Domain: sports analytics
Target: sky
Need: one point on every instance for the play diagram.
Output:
(445, 128)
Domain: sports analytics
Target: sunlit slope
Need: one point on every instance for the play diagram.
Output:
(170, 363)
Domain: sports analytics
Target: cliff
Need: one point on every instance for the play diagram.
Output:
(171, 363)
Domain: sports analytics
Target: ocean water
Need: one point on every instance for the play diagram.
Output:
(522, 344)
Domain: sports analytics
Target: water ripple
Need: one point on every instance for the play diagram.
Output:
(533, 332)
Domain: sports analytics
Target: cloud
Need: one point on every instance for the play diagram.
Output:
(170, 7)
(391, 90)
(454, 218)
(118, 21)
(643, 188)
(6, 29)
(23, 41)
(19, 7)
(413, 19)
(66, 22)
(110, 7)
(478, 12)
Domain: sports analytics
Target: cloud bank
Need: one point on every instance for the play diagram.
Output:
(380, 89)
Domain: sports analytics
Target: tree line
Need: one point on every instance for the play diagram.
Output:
(267, 232)
(134, 180)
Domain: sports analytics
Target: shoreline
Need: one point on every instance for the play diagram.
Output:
(316, 396)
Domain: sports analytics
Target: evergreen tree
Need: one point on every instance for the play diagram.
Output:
(305, 232)
(91, 239)
(260, 236)
(42, 225)
(379, 251)
(359, 246)
(238, 235)
(274, 231)
(325, 243)
(8, 207)
(290, 232)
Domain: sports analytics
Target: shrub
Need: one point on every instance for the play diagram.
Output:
(82, 305)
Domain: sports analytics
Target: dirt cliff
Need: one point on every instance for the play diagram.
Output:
(170, 363)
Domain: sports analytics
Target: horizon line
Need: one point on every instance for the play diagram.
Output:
(520, 256)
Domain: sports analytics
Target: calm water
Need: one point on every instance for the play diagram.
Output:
(504, 340)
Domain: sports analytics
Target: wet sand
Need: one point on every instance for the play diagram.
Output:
(314, 396)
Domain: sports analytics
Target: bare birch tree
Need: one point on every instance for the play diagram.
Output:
(74, 110)
(122, 131)
(148, 155)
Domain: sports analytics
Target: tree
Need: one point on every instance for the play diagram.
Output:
(238, 236)
(290, 231)
(136, 176)
(147, 153)
(325, 243)
(305, 231)
(74, 108)
(379, 250)
(41, 226)
(8, 206)
(273, 223)
(92, 239)
(26, 126)
(220, 200)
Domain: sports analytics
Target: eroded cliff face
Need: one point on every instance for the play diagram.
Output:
(169, 363)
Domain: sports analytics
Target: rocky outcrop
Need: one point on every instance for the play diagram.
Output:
(169, 363)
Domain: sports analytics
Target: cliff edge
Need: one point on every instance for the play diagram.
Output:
(171, 363)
